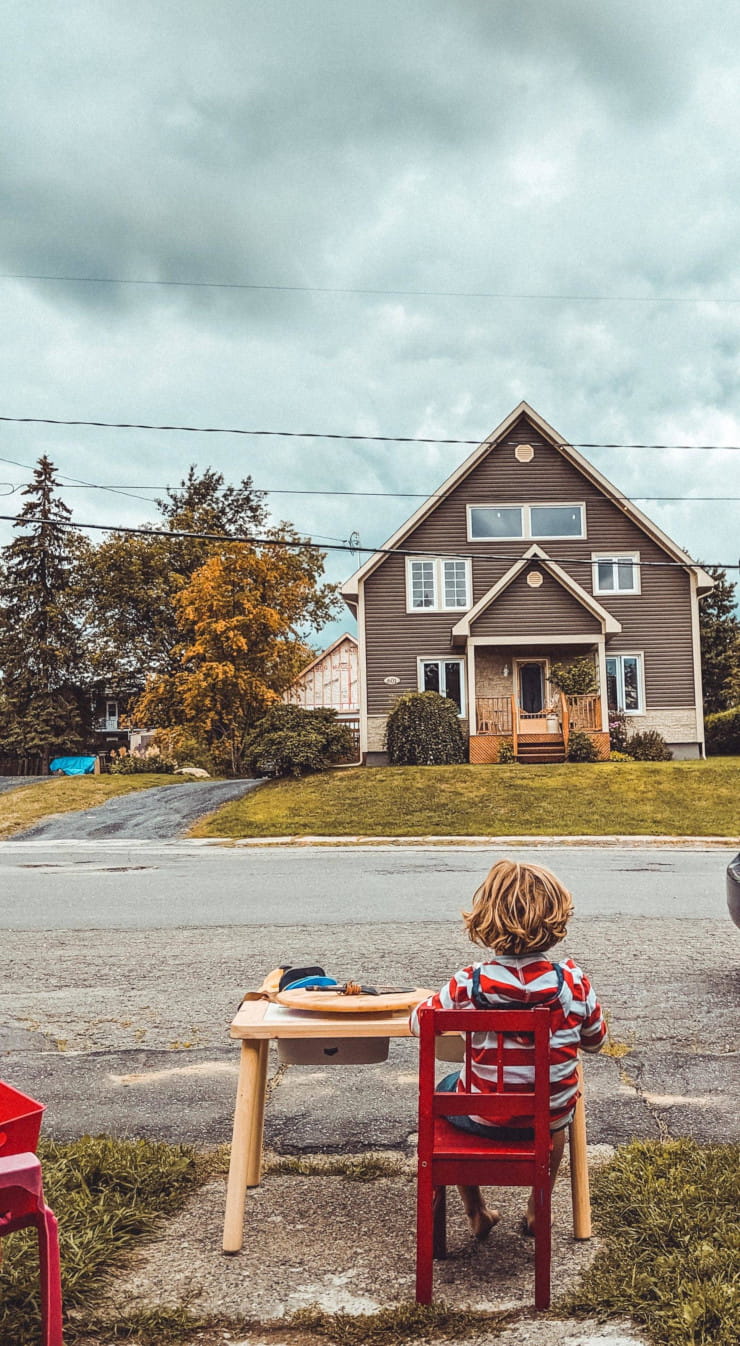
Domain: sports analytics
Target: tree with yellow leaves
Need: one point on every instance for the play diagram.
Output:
(240, 616)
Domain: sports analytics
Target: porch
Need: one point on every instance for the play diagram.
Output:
(514, 705)
(538, 736)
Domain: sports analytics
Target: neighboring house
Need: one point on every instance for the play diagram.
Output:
(106, 722)
(330, 680)
(528, 556)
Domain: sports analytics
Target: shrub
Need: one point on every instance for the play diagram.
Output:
(424, 730)
(723, 732)
(506, 752)
(577, 678)
(124, 763)
(291, 741)
(649, 746)
(181, 745)
(581, 748)
(617, 731)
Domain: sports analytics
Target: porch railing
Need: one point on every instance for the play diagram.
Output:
(564, 721)
(584, 712)
(493, 714)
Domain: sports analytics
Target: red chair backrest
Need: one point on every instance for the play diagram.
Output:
(503, 1101)
(20, 1121)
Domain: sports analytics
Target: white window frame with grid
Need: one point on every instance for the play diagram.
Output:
(527, 534)
(616, 558)
(441, 660)
(435, 568)
(637, 655)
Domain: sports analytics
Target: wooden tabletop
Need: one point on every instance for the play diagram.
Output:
(259, 1019)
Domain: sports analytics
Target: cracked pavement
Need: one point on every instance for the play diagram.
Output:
(125, 1029)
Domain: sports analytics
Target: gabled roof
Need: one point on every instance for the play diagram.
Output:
(609, 624)
(705, 581)
(339, 641)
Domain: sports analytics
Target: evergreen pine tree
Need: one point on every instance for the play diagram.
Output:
(42, 709)
(720, 644)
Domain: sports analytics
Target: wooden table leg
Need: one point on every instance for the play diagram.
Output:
(246, 1112)
(579, 1168)
(254, 1159)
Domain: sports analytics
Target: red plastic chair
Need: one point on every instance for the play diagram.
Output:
(22, 1205)
(448, 1156)
(22, 1199)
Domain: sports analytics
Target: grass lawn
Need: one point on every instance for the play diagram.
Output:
(25, 806)
(675, 798)
(666, 1212)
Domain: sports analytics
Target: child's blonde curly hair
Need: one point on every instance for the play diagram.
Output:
(519, 909)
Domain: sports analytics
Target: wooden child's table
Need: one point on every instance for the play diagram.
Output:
(259, 1021)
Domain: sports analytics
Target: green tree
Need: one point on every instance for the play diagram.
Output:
(132, 623)
(720, 644)
(44, 707)
(239, 619)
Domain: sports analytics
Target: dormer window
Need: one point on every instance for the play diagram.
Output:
(493, 523)
(437, 584)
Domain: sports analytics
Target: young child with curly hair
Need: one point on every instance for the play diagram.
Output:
(519, 913)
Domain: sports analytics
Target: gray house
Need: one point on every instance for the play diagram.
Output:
(525, 557)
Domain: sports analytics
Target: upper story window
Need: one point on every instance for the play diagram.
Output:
(437, 585)
(492, 522)
(616, 574)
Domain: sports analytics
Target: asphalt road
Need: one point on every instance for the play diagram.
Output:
(155, 814)
(118, 984)
(140, 886)
(15, 782)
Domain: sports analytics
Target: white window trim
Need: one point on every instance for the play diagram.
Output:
(639, 655)
(527, 534)
(614, 556)
(438, 606)
(422, 659)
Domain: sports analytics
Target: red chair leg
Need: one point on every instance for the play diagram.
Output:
(51, 1285)
(542, 1244)
(424, 1237)
(439, 1222)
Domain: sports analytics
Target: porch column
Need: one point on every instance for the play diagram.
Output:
(470, 665)
(602, 680)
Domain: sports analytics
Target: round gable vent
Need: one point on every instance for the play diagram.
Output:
(524, 453)
(534, 579)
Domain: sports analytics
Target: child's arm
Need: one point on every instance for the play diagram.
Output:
(593, 1027)
(455, 994)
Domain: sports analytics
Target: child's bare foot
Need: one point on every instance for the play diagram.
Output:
(482, 1222)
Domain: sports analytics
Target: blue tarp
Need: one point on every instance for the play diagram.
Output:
(73, 766)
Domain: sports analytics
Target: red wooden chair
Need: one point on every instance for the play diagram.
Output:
(448, 1156)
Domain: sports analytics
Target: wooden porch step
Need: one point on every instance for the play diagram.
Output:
(541, 750)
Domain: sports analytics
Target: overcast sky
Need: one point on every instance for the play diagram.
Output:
(569, 148)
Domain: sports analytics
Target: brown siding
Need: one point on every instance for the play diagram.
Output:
(657, 621)
(523, 611)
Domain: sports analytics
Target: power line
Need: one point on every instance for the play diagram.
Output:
(523, 296)
(364, 495)
(318, 434)
(337, 546)
(75, 483)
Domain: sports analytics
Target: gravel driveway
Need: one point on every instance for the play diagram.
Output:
(159, 814)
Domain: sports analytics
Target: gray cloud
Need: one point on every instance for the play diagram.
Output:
(562, 147)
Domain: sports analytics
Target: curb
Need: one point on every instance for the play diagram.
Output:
(484, 842)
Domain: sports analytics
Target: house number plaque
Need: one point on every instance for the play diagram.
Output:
(392, 681)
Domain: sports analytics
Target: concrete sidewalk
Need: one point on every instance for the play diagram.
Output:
(322, 1242)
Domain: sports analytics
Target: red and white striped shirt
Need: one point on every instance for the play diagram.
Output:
(514, 982)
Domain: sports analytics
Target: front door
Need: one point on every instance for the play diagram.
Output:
(531, 696)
